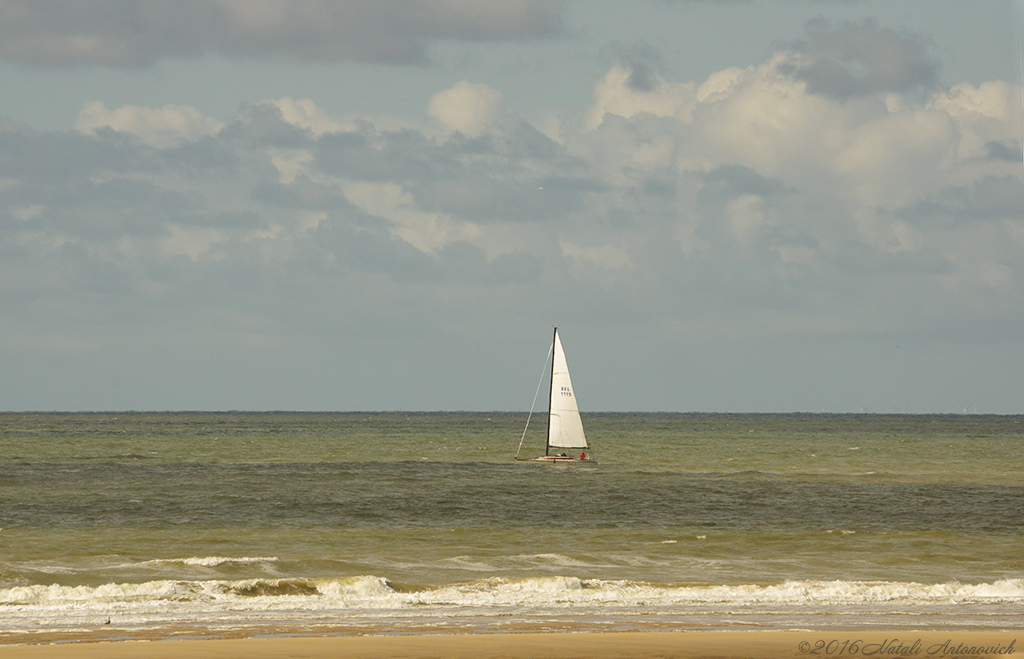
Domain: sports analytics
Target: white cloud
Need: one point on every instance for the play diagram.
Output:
(304, 113)
(466, 107)
(748, 204)
(769, 122)
(834, 184)
(614, 94)
(169, 126)
(894, 159)
(425, 231)
(719, 82)
(748, 185)
(983, 114)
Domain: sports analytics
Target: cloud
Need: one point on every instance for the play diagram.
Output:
(991, 197)
(641, 59)
(981, 114)
(466, 107)
(751, 203)
(620, 93)
(426, 231)
(171, 125)
(847, 59)
(139, 34)
(777, 188)
(736, 180)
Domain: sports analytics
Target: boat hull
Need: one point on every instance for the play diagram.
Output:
(559, 459)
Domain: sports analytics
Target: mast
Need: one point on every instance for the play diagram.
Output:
(551, 390)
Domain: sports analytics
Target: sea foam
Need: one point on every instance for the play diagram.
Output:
(373, 591)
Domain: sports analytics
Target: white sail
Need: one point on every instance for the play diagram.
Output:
(565, 429)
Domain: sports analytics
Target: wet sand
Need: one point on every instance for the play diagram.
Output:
(590, 645)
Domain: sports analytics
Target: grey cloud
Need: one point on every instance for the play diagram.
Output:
(108, 215)
(108, 184)
(846, 59)
(198, 158)
(992, 197)
(723, 185)
(659, 186)
(735, 180)
(468, 262)
(523, 141)
(372, 156)
(301, 193)
(518, 174)
(347, 249)
(861, 259)
(104, 224)
(643, 61)
(263, 126)
(515, 173)
(63, 159)
(1005, 151)
(516, 268)
(488, 196)
(122, 33)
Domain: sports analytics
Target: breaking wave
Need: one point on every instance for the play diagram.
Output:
(562, 591)
(213, 561)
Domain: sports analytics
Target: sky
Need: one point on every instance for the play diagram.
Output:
(725, 206)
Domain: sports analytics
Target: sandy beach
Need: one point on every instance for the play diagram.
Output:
(637, 645)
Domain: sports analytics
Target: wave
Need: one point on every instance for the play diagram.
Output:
(212, 561)
(496, 592)
(168, 591)
(372, 602)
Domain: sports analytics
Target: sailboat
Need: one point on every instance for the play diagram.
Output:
(566, 441)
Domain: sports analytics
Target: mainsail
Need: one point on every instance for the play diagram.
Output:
(565, 428)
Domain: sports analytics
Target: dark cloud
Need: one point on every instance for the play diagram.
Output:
(124, 33)
(846, 59)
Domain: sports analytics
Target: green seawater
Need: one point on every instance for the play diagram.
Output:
(941, 448)
(687, 520)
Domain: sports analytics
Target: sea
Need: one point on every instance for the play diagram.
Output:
(237, 524)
